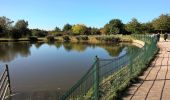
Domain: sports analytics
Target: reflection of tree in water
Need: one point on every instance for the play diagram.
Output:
(38, 44)
(80, 47)
(67, 46)
(8, 51)
(113, 50)
(58, 45)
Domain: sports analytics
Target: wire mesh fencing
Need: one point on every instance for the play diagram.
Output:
(108, 76)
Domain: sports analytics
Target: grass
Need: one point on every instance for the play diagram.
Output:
(80, 38)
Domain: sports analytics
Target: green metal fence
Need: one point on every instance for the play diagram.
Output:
(5, 88)
(107, 76)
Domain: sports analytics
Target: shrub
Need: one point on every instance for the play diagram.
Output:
(66, 38)
(82, 38)
(78, 38)
(50, 38)
(33, 38)
(108, 39)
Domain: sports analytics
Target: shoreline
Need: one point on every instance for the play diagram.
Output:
(91, 39)
(80, 38)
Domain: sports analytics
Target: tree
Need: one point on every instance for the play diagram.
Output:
(134, 26)
(162, 23)
(22, 27)
(5, 23)
(67, 27)
(5, 26)
(39, 33)
(1, 29)
(79, 29)
(57, 29)
(94, 31)
(55, 33)
(115, 26)
(102, 31)
(147, 27)
(106, 29)
(21, 24)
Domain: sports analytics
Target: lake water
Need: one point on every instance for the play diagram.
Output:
(42, 71)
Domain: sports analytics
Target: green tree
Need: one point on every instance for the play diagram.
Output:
(162, 22)
(79, 29)
(39, 33)
(134, 26)
(57, 29)
(1, 29)
(106, 29)
(67, 27)
(21, 24)
(147, 27)
(5, 26)
(94, 31)
(21, 27)
(115, 26)
(55, 33)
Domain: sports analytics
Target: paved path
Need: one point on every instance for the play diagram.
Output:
(154, 84)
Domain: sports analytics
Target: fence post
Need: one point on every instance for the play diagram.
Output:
(96, 77)
(7, 69)
(131, 57)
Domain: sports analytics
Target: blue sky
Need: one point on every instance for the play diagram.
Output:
(47, 14)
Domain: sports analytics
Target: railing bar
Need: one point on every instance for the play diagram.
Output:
(6, 88)
(1, 92)
(2, 83)
(2, 75)
(7, 69)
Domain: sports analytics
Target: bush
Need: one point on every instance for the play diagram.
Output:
(56, 33)
(33, 38)
(82, 38)
(66, 38)
(50, 38)
(108, 39)
(78, 38)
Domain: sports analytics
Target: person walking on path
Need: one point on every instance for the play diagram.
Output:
(165, 36)
(158, 37)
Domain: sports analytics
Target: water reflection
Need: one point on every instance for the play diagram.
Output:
(112, 49)
(9, 51)
(44, 69)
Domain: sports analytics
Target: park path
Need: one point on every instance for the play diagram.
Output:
(154, 84)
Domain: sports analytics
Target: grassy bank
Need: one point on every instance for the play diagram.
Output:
(80, 38)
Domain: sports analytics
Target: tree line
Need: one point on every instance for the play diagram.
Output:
(115, 26)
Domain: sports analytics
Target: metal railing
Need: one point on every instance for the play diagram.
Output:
(5, 88)
(108, 76)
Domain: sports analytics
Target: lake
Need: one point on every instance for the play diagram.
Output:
(43, 71)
